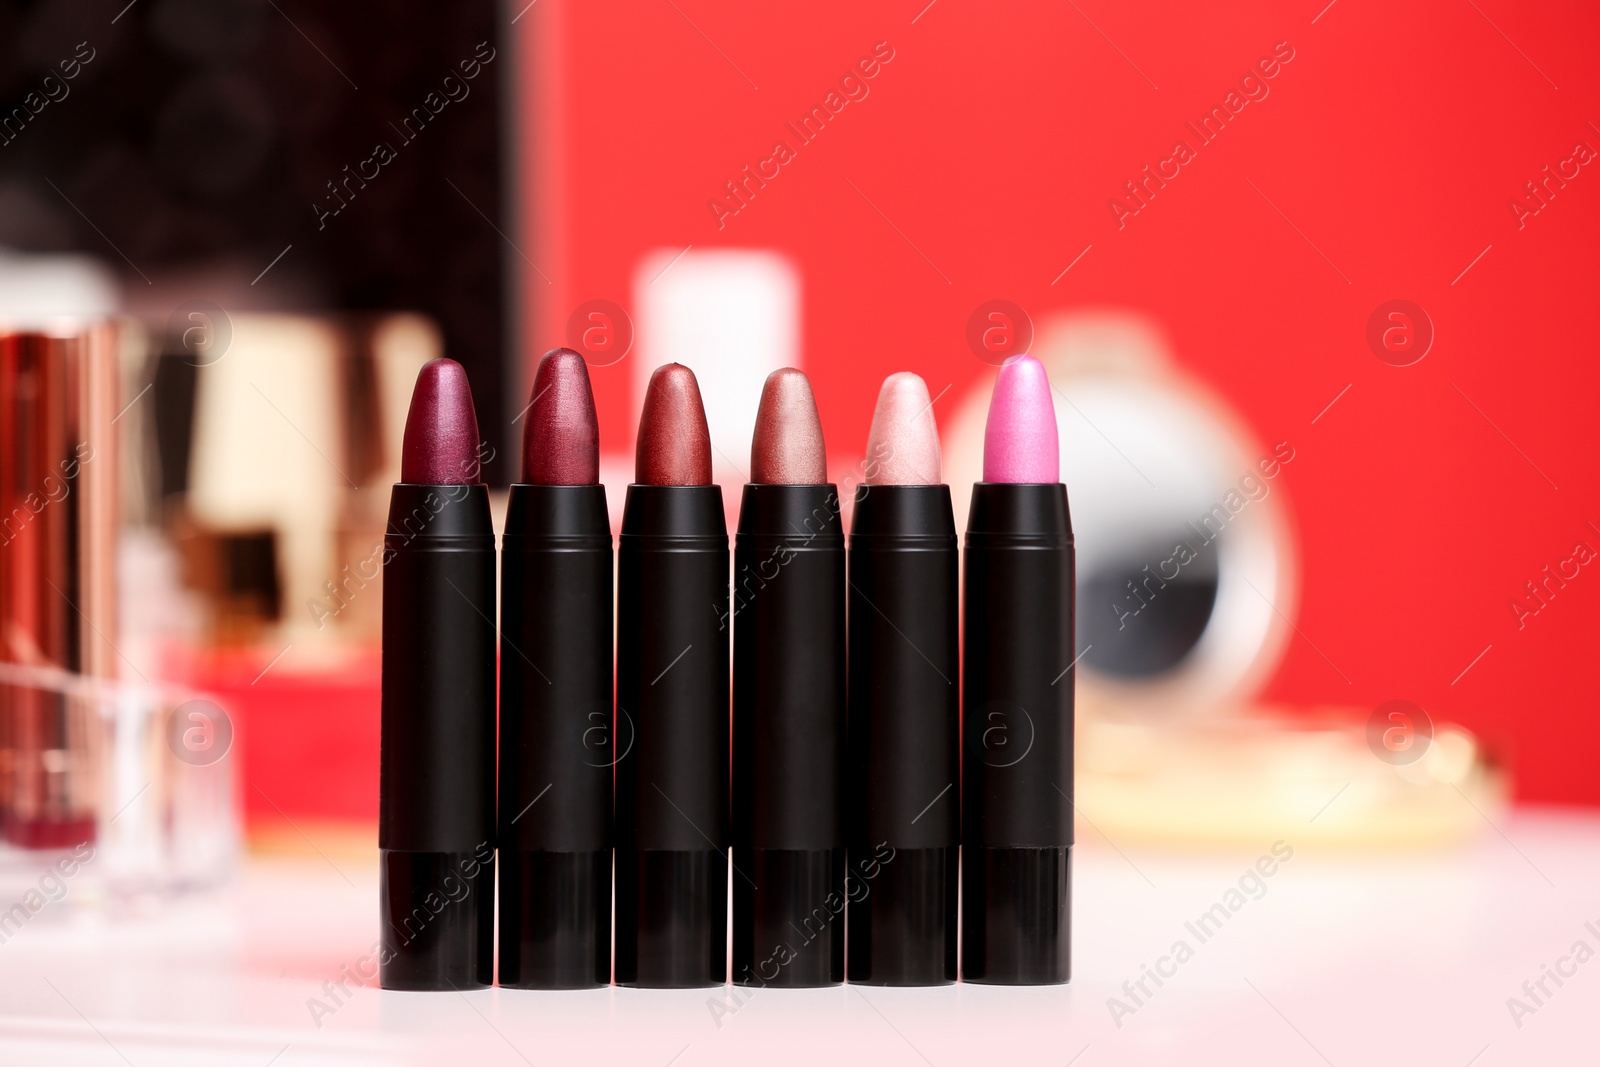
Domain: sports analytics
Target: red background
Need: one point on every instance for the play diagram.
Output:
(1394, 140)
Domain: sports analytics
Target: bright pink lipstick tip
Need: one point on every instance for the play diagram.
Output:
(1019, 442)
(441, 441)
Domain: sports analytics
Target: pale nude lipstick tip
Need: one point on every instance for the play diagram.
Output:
(903, 444)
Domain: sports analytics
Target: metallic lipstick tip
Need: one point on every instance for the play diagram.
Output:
(787, 448)
(674, 443)
(440, 446)
(903, 444)
(1019, 442)
(561, 438)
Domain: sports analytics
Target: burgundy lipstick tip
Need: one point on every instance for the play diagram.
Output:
(674, 441)
(561, 440)
(787, 448)
(441, 439)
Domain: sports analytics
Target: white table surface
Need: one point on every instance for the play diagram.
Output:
(1346, 959)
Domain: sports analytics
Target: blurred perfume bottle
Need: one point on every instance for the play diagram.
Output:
(58, 529)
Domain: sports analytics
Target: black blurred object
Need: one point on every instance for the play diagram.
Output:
(237, 572)
(1134, 623)
(201, 138)
(250, 570)
(174, 384)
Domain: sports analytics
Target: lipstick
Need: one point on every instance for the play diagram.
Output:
(557, 742)
(904, 703)
(436, 834)
(1017, 696)
(672, 697)
(788, 702)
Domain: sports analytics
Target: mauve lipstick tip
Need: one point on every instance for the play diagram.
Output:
(440, 446)
(674, 442)
(561, 439)
(787, 447)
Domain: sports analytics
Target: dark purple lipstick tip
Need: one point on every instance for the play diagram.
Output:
(441, 441)
(561, 441)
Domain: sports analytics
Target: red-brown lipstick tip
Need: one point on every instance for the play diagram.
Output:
(674, 442)
(561, 440)
(441, 440)
(787, 448)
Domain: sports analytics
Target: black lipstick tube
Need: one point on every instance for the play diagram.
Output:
(789, 737)
(556, 741)
(1017, 760)
(672, 698)
(904, 736)
(436, 835)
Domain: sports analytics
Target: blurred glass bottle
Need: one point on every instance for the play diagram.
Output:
(58, 529)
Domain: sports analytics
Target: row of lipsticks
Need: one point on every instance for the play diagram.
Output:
(842, 788)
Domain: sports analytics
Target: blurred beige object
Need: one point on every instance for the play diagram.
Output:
(1171, 747)
(401, 345)
(1248, 780)
(396, 348)
(268, 450)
